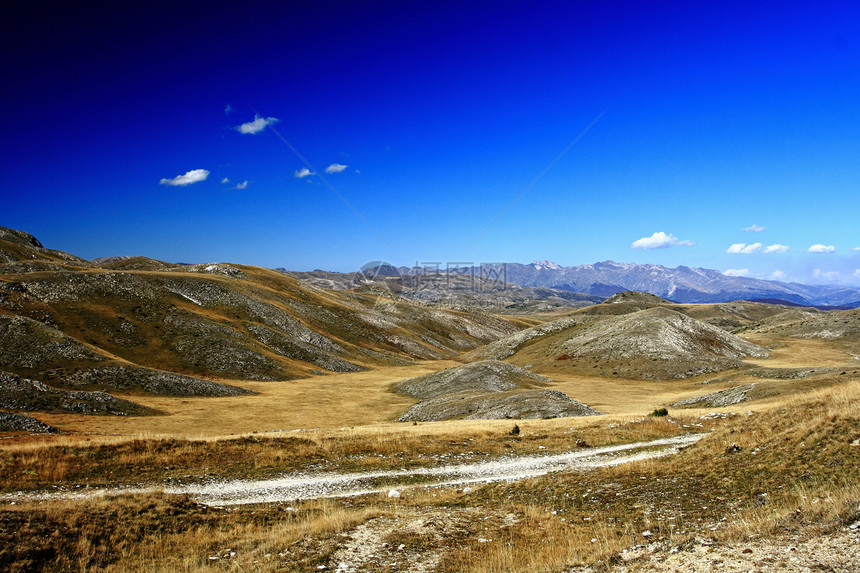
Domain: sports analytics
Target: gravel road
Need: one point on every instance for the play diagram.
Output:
(297, 486)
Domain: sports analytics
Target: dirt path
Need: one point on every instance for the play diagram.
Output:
(298, 486)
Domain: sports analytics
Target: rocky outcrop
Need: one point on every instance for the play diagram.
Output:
(486, 390)
(523, 404)
(28, 344)
(486, 376)
(727, 397)
(25, 395)
(12, 422)
(159, 382)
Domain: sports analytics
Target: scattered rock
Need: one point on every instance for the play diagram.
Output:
(726, 397)
(12, 422)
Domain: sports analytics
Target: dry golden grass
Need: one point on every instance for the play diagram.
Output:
(803, 353)
(797, 467)
(365, 398)
(338, 400)
(798, 452)
(161, 533)
(799, 447)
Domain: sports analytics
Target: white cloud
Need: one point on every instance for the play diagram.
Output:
(753, 229)
(856, 249)
(776, 248)
(256, 126)
(659, 240)
(778, 275)
(225, 180)
(303, 172)
(335, 168)
(744, 249)
(227, 109)
(829, 275)
(241, 185)
(819, 248)
(736, 272)
(193, 176)
(857, 274)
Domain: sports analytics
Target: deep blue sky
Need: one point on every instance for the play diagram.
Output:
(711, 118)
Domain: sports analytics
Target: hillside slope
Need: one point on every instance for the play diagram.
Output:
(71, 323)
(632, 338)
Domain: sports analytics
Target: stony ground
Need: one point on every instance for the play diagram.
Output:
(838, 551)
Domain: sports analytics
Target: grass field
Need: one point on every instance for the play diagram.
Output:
(786, 462)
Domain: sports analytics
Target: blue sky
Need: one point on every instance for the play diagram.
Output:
(722, 135)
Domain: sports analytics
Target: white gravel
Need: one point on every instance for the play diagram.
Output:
(296, 486)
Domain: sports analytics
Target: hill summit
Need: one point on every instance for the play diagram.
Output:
(655, 343)
(633, 296)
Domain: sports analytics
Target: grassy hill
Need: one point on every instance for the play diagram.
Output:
(70, 323)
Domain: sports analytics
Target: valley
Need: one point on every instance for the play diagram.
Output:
(155, 417)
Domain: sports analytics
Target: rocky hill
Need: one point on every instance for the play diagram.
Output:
(837, 326)
(484, 391)
(22, 252)
(636, 297)
(656, 342)
(140, 325)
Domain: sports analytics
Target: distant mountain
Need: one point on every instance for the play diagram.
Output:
(459, 288)
(598, 280)
(681, 284)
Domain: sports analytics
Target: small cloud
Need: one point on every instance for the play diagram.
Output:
(225, 180)
(335, 168)
(856, 274)
(778, 275)
(776, 248)
(228, 109)
(302, 173)
(753, 229)
(819, 248)
(659, 240)
(193, 176)
(736, 272)
(256, 126)
(827, 275)
(856, 249)
(744, 249)
(241, 185)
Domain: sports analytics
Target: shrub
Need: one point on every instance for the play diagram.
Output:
(660, 412)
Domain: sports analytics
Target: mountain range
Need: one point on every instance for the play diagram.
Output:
(597, 280)
(681, 284)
